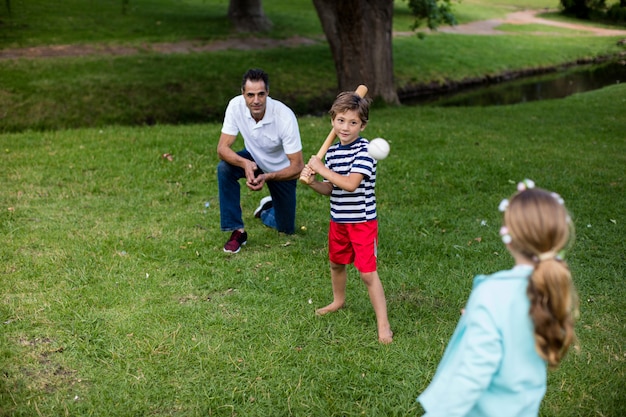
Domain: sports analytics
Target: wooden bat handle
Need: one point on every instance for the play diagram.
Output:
(361, 91)
(327, 142)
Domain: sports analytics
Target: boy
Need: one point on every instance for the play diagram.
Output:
(349, 179)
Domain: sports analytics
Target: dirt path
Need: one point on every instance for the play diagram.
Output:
(162, 47)
(486, 27)
(526, 17)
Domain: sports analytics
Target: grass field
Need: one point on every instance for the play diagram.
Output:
(150, 88)
(116, 296)
(118, 300)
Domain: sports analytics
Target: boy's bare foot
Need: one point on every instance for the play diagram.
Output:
(330, 308)
(385, 337)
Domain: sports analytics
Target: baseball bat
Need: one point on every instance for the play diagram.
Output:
(361, 91)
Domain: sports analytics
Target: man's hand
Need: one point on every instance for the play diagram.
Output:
(256, 183)
(250, 169)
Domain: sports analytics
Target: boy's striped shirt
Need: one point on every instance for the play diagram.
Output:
(360, 205)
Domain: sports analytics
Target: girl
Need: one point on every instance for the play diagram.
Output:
(516, 322)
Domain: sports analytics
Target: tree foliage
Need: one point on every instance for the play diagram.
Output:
(595, 10)
(581, 8)
(433, 12)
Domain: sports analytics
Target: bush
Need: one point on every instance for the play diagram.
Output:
(595, 10)
(617, 12)
(576, 8)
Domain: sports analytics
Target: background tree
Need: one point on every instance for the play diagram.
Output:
(360, 36)
(359, 33)
(248, 16)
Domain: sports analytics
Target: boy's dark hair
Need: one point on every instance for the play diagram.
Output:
(349, 100)
(255, 74)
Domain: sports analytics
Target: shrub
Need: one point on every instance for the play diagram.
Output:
(617, 12)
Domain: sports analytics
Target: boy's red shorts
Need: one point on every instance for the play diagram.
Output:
(354, 243)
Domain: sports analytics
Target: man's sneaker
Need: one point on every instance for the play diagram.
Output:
(236, 241)
(264, 204)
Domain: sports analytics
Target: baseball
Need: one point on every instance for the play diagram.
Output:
(378, 148)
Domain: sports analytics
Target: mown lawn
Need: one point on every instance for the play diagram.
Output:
(118, 300)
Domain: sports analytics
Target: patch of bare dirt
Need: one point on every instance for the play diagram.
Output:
(486, 27)
(185, 47)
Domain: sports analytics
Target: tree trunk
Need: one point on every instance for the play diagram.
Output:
(248, 16)
(360, 36)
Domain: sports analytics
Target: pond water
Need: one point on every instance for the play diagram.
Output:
(550, 86)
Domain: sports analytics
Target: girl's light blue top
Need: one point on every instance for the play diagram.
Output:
(490, 366)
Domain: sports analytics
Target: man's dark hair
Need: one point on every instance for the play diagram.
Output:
(255, 74)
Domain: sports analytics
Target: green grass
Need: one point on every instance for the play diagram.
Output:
(35, 23)
(118, 300)
(445, 56)
(152, 88)
(466, 11)
(470, 11)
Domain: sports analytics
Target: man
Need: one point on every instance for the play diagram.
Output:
(272, 155)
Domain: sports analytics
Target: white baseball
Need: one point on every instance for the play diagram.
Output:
(378, 148)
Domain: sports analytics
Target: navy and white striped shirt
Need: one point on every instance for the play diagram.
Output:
(360, 205)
